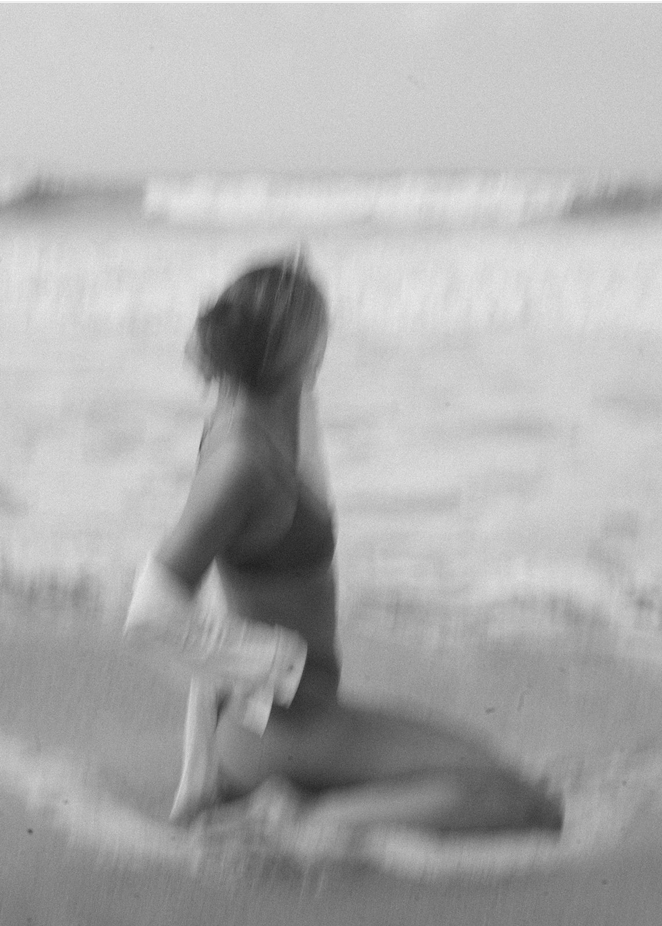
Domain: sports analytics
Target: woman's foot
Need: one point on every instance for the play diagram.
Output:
(187, 809)
(199, 785)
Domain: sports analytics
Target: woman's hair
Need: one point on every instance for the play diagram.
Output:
(266, 327)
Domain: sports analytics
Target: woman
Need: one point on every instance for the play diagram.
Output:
(253, 517)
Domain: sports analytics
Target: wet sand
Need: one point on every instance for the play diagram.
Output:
(90, 759)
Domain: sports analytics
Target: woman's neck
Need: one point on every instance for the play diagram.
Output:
(275, 416)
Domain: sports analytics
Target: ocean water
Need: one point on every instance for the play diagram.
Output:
(492, 396)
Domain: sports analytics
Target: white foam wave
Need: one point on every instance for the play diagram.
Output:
(73, 801)
(568, 598)
(408, 200)
(600, 812)
(403, 200)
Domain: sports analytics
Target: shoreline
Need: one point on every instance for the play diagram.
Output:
(91, 747)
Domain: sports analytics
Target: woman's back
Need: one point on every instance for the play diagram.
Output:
(279, 568)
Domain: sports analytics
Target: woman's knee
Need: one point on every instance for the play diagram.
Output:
(246, 760)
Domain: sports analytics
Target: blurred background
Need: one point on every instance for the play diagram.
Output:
(480, 192)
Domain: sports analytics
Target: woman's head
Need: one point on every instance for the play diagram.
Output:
(267, 329)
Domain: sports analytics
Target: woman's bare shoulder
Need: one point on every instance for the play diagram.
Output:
(230, 486)
(232, 481)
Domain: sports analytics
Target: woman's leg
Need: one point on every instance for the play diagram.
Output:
(358, 766)
(450, 800)
(198, 784)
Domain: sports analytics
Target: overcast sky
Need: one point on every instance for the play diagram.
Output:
(133, 89)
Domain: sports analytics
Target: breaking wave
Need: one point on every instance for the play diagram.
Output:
(409, 200)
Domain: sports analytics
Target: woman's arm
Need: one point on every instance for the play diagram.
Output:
(224, 497)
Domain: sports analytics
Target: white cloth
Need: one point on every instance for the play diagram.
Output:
(259, 662)
(252, 662)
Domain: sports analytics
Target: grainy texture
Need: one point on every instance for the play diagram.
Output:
(497, 479)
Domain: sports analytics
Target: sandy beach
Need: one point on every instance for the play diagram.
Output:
(90, 758)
